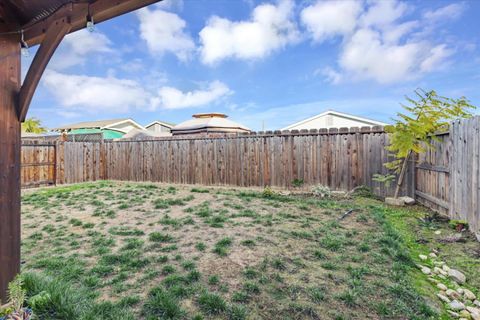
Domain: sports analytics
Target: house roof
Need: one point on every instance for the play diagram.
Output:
(209, 122)
(163, 123)
(143, 133)
(98, 124)
(338, 114)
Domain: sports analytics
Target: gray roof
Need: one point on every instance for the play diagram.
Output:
(91, 124)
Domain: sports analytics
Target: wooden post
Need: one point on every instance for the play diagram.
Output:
(9, 161)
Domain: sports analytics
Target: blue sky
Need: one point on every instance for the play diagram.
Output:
(264, 63)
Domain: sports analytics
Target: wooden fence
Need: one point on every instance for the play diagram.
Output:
(448, 177)
(341, 159)
(445, 179)
(38, 165)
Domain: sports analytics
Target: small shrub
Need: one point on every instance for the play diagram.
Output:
(321, 191)
(297, 183)
(268, 192)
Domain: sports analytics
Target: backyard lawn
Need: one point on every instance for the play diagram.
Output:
(113, 250)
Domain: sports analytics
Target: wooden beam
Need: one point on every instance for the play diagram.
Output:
(430, 167)
(55, 33)
(432, 199)
(100, 10)
(9, 162)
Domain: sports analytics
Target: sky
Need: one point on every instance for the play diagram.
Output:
(266, 64)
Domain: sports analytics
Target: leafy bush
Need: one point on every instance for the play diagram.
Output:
(268, 192)
(321, 191)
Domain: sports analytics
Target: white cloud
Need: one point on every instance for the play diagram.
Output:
(330, 74)
(270, 28)
(451, 11)
(378, 43)
(170, 4)
(95, 94)
(436, 58)
(165, 32)
(382, 13)
(366, 56)
(172, 98)
(77, 46)
(325, 19)
(81, 93)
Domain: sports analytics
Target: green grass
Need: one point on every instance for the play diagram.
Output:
(160, 237)
(275, 256)
(222, 246)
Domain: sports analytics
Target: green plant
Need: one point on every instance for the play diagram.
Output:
(297, 183)
(268, 192)
(321, 191)
(212, 303)
(16, 294)
(386, 179)
(40, 300)
(458, 225)
(33, 125)
(412, 133)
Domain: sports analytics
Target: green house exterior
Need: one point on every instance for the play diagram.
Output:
(107, 133)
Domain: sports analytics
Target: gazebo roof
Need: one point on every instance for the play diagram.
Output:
(209, 122)
(35, 16)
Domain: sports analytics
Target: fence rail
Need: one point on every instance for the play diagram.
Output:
(445, 178)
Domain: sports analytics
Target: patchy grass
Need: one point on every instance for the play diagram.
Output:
(114, 250)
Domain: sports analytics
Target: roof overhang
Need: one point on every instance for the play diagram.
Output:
(36, 16)
(368, 122)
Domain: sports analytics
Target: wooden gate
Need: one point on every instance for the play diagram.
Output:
(38, 166)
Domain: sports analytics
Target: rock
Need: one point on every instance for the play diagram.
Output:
(443, 298)
(439, 263)
(446, 268)
(435, 281)
(394, 201)
(477, 303)
(438, 232)
(453, 294)
(453, 314)
(422, 257)
(426, 270)
(407, 200)
(456, 305)
(442, 287)
(441, 276)
(437, 270)
(432, 255)
(457, 276)
(464, 314)
(474, 312)
(460, 290)
(469, 294)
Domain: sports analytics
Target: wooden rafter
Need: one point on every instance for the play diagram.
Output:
(54, 35)
(99, 10)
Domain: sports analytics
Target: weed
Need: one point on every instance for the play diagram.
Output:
(160, 237)
(211, 303)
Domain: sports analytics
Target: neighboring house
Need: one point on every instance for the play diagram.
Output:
(333, 119)
(139, 135)
(111, 129)
(209, 124)
(159, 126)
